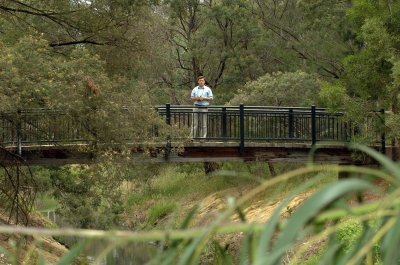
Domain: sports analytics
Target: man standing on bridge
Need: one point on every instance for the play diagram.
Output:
(202, 96)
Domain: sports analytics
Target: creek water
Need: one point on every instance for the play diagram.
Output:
(131, 253)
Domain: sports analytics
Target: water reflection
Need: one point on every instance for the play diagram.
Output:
(130, 253)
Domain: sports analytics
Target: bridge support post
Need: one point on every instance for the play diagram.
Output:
(313, 125)
(19, 134)
(167, 149)
(168, 113)
(241, 130)
(383, 136)
(342, 174)
(345, 175)
(291, 123)
(224, 124)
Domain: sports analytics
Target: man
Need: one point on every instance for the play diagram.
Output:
(201, 96)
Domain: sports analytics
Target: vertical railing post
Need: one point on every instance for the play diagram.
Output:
(168, 113)
(224, 129)
(241, 129)
(313, 125)
(168, 147)
(291, 124)
(19, 133)
(155, 127)
(383, 136)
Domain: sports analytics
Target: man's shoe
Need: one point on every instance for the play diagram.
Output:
(202, 141)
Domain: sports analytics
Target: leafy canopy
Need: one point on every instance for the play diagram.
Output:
(280, 89)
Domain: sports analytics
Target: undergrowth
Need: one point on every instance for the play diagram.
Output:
(362, 233)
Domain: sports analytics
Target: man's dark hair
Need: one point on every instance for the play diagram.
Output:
(200, 77)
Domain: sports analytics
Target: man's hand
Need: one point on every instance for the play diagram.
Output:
(201, 98)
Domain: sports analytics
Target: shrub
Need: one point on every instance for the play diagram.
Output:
(160, 210)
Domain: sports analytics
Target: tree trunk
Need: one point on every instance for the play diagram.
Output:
(271, 169)
(395, 141)
(210, 167)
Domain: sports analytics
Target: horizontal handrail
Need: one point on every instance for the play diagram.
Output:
(225, 123)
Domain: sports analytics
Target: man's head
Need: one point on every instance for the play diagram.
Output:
(201, 81)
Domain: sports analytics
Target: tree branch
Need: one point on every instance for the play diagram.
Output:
(76, 42)
(18, 10)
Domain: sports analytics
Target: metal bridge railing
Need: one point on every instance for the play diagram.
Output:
(225, 123)
(268, 123)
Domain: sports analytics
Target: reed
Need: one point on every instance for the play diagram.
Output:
(324, 214)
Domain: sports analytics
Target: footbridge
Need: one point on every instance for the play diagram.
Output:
(234, 133)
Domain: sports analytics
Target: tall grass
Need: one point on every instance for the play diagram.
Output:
(323, 215)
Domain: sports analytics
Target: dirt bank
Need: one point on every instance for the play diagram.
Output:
(49, 249)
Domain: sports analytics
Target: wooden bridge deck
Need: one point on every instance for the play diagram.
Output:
(235, 133)
(192, 152)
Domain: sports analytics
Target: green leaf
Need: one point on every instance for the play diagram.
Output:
(222, 253)
(41, 260)
(391, 243)
(73, 253)
(246, 251)
(189, 217)
(241, 214)
(273, 222)
(382, 159)
(331, 253)
(314, 204)
(5, 252)
(351, 256)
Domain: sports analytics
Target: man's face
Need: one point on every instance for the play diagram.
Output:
(201, 81)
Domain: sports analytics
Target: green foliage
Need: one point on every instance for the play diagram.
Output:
(366, 233)
(334, 96)
(190, 168)
(88, 198)
(134, 199)
(371, 74)
(160, 210)
(17, 193)
(67, 24)
(277, 89)
(362, 115)
(393, 125)
(237, 36)
(308, 35)
(231, 42)
(46, 203)
(35, 77)
(350, 233)
(314, 259)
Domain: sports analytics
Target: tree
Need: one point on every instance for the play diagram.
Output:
(35, 77)
(281, 89)
(236, 40)
(216, 39)
(311, 35)
(372, 75)
(18, 189)
(69, 23)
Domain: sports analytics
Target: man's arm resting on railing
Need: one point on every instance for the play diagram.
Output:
(201, 98)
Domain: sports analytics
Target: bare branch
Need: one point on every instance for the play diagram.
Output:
(76, 43)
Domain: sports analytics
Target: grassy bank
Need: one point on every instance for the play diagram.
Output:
(243, 215)
(164, 200)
